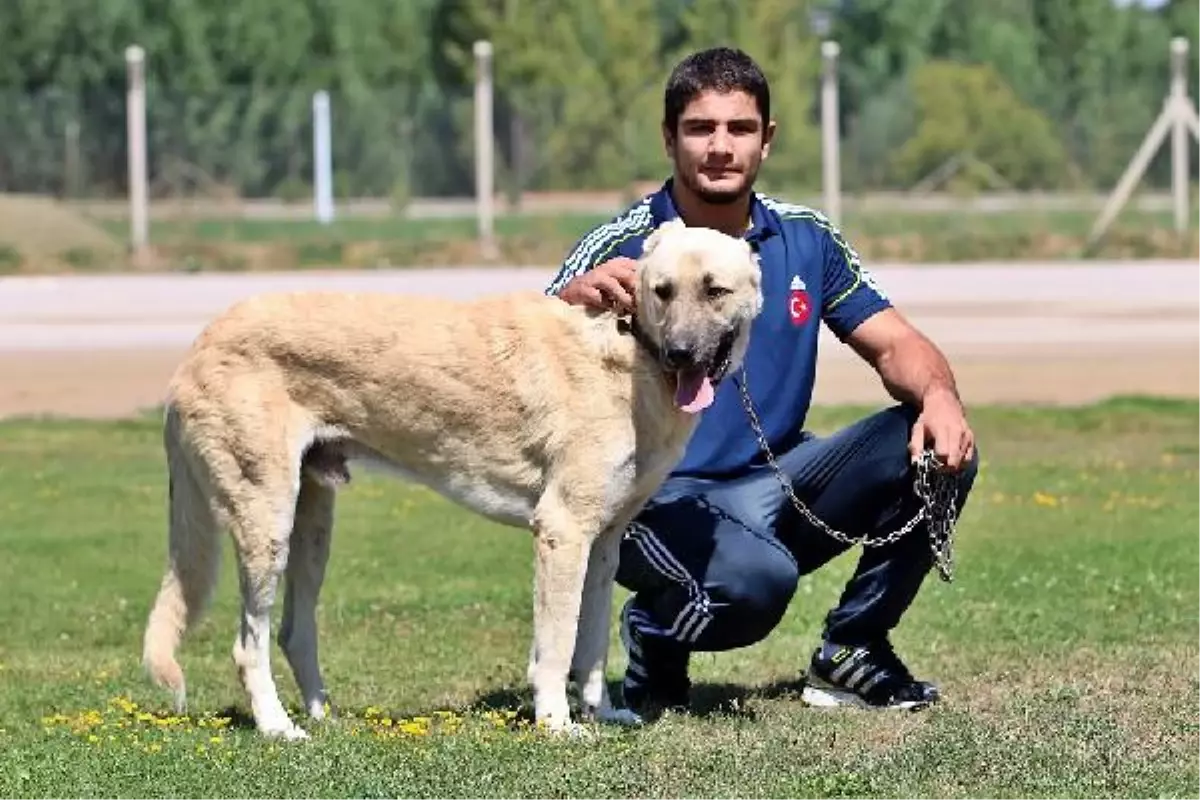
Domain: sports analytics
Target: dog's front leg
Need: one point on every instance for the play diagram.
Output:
(562, 548)
(591, 648)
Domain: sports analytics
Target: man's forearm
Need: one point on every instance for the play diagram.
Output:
(914, 370)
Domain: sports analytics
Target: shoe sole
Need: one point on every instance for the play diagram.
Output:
(825, 696)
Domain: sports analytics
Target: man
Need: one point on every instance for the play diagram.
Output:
(713, 560)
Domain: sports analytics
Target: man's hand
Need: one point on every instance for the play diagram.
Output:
(943, 423)
(914, 371)
(607, 287)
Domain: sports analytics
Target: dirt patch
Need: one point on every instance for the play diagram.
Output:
(116, 383)
(99, 384)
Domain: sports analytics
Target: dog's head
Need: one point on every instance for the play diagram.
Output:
(698, 292)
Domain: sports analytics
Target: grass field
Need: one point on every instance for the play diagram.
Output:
(400, 241)
(46, 238)
(1066, 647)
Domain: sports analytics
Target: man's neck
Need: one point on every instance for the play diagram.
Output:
(729, 218)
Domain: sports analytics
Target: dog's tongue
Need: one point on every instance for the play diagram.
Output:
(693, 390)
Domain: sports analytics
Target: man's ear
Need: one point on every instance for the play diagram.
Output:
(768, 136)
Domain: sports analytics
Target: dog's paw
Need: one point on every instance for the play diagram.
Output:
(575, 730)
(321, 711)
(620, 716)
(290, 732)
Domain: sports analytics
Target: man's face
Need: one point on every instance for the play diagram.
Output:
(719, 144)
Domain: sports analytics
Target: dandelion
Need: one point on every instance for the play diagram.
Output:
(1043, 499)
(414, 728)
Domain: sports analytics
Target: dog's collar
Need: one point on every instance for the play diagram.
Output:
(630, 325)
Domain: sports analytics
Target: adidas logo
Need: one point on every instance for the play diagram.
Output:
(797, 284)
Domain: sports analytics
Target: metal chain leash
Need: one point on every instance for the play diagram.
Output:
(937, 490)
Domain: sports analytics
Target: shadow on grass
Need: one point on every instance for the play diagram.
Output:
(708, 700)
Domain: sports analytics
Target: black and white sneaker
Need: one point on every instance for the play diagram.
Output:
(656, 678)
(868, 676)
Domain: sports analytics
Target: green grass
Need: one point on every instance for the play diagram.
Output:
(573, 225)
(1066, 647)
(357, 229)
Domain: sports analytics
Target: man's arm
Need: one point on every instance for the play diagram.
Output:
(599, 272)
(912, 368)
(601, 244)
(915, 371)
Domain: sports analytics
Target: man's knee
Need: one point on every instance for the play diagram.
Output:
(752, 591)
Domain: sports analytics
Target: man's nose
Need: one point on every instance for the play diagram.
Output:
(720, 143)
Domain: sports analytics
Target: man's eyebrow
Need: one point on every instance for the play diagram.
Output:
(734, 120)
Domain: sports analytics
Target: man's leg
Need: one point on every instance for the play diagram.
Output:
(860, 481)
(707, 575)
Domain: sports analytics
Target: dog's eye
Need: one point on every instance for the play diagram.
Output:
(664, 291)
(717, 291)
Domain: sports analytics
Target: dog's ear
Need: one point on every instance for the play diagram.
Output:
(653, 239)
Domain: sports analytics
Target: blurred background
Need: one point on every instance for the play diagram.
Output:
(968, 128)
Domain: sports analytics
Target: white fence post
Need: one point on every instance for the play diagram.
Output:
(830, 135)
(1179, 132)
(322, 158)
(135, 121)
(484, 149)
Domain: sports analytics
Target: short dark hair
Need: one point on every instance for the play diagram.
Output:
(722, 69)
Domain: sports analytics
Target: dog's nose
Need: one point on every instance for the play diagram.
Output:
(678, 357)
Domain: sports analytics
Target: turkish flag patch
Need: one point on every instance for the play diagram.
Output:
(799, 302)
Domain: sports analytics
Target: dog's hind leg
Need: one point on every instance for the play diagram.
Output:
(311, 535)
(261, 527)
(562, 547)
(592, 640)
(258, 486)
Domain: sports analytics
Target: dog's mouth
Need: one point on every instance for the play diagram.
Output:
(696, 387)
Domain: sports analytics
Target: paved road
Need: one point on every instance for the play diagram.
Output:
(1034, 331)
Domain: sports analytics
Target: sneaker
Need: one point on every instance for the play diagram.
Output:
(869, 676)
(656, 677)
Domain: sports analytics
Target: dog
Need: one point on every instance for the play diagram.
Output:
(520, 407)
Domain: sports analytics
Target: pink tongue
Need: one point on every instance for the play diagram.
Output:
(694, 391)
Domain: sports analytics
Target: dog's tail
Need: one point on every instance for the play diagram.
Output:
(193, 559)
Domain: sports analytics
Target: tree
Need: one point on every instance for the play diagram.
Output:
(579, 75)
(969, 111)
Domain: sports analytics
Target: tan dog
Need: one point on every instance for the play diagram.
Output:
(525, 409)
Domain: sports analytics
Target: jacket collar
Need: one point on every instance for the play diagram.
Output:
(763, 224)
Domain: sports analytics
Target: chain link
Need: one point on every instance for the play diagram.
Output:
(937, 490)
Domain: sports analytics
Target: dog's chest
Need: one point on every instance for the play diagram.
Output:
(486, 494)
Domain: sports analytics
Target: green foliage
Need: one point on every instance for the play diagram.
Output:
(969, 111)
(578, 87)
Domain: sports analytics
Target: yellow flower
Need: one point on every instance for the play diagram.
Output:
(414, 728)
(1043, 499)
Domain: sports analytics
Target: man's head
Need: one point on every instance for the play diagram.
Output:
(717, 124)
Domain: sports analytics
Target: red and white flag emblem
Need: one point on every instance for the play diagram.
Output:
(799, 303)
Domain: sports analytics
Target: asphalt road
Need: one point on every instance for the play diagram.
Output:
(1036, 332)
